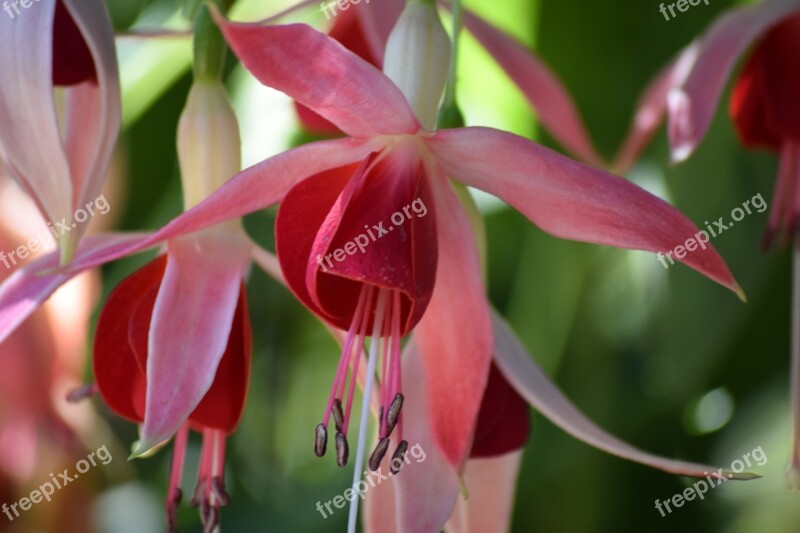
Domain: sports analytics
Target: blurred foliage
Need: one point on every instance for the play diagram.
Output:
(636, 347)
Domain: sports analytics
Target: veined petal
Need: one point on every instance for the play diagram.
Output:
(540, 86)
(60, 177)
(691, 107)
(569, 199)
(455, 335)
(26, 289)
(94, 109)
(425, 492)
(534, 385)
(323, 75)
(255, 188)
(30, 141)
(652, 108)
(190, 327)
(491, 486)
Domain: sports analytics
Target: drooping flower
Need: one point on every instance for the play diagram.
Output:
(423, 274)
(765, 110)
(74, 49)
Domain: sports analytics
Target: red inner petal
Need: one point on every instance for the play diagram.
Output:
(764, 105)
(503, 420)
(223, 404)
(121, 348)
(72, 60)
(324, 217)
(121, 380)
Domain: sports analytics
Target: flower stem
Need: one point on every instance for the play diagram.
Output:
(209, 45)
(794, 376)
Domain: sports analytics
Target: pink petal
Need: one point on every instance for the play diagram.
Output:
(323, 75)
(541, 87)
(454, 335)
(94, 110)
(30, 141)
(533, 384)
(26, 289)
(426, 491)
(569, 199)
(252, 189)
(491, 487)
(190, 327)
(691, 108)
(652, 107)
(377, 21)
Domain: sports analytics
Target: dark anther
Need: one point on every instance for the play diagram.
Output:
(377, 454)
(400, 454)
(338, 414)
(320, 440)
(342, 450)
(394, 413)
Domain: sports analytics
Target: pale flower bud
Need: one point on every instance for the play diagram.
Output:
(417, 59)
(209, 146)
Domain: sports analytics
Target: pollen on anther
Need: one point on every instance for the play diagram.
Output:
(320, 440)
(338, 414)
(393, 413)
(342, 449)
(399, 453)
(378, 453)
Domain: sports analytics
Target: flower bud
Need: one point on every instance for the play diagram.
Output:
(209, 146)
(417, 59)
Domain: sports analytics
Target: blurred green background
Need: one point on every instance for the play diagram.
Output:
(666, 360)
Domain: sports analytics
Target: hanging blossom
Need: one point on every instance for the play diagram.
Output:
(765, 110)
(454, 336)
(425, 277)
(365, 31)
(67, 44)
(172, 348)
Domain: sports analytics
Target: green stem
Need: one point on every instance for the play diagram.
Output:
(450, 115)
(209, 45)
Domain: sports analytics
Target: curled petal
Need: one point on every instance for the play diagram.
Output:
(569, 199)
(533, 384)
(691, 107)
(118, 370)
(323, 75)
(541, 87)
(74, 44)
(652, 108)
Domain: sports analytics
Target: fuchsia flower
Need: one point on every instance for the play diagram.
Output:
(74, 49)
(427, 277)
(764, 107)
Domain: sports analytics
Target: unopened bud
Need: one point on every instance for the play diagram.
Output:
(417, 59)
